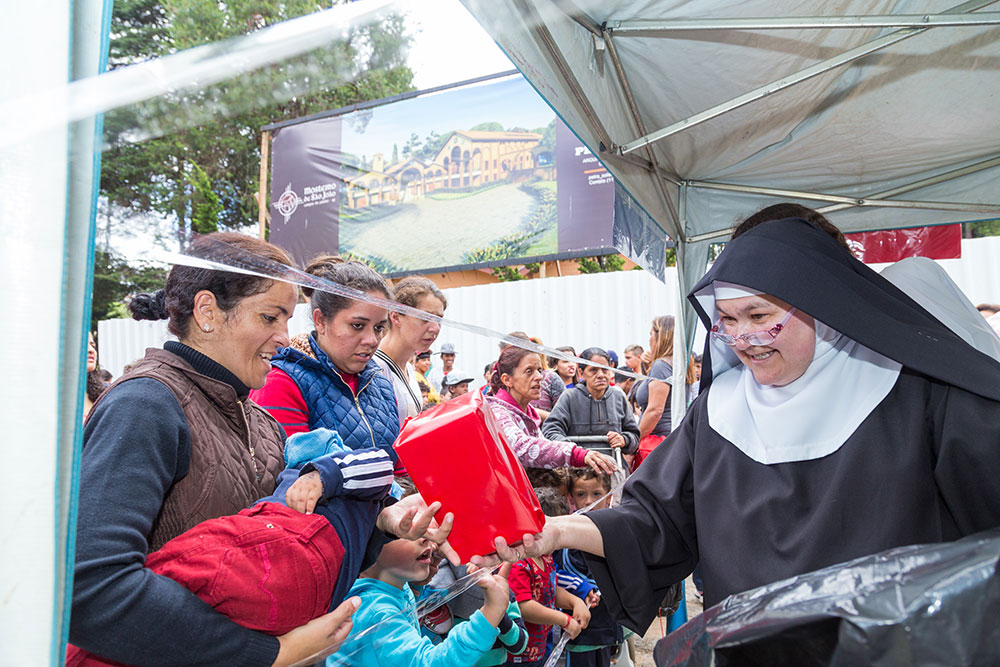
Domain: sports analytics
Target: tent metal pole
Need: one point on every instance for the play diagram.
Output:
(650, 27)
(580, 17)
(931, 205)
(626, 89)
(680, 360)
(792, 79)
(645, 164)
(538, 27)
(925, 182)
(772, 192)
(847, 202)
(711, 236)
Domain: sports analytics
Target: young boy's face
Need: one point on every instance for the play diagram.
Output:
(586, 491)
(432, 570)
(406, 560)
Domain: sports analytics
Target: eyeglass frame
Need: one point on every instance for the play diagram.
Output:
(772, 332)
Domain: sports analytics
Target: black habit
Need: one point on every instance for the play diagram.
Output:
(922, 467)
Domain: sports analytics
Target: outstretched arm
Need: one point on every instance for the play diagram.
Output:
(575, 531)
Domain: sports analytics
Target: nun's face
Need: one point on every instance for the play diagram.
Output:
(784, 359)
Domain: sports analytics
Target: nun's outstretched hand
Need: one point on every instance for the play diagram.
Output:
(411, 518)
(575, 531)
(538, 544)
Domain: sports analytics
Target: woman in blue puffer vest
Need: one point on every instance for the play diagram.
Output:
(328, 379)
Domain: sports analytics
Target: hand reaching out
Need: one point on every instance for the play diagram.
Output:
(305, 492)
(581, 612)
(411, 518)
(496, 592)
(539, 544)
(600, 462)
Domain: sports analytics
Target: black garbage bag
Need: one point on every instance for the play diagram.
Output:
(933, 604)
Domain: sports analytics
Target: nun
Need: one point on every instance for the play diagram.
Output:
(837, 418)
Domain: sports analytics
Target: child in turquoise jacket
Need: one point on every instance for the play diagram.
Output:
(386, 598)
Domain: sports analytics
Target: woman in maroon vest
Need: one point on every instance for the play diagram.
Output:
(172, 443)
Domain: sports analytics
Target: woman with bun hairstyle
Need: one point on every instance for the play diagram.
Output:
(516, 381)
(174, 442)
(328, 379)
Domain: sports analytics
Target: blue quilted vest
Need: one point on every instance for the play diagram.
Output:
(366, 420)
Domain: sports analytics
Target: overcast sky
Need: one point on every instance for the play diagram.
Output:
(441, 29)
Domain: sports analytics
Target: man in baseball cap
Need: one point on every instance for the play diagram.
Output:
(437, 375)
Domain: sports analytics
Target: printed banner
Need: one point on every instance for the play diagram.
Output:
(476, 175)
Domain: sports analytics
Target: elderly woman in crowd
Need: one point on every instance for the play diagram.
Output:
(515, 382)
(838, 418)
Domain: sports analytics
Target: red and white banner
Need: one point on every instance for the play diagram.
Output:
(892, 245)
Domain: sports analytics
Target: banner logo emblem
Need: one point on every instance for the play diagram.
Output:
(288, 202)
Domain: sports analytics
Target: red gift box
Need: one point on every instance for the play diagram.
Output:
(454, 452)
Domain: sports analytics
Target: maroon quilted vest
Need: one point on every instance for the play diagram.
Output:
(236, 448)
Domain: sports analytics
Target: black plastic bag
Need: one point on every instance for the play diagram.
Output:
(935, 604)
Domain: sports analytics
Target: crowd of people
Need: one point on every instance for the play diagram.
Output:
(258, 472)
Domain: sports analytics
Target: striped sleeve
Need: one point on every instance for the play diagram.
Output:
(282, 398)
(513, 635)
(364, 474)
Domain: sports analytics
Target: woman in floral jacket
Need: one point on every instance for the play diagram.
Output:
(516, 381)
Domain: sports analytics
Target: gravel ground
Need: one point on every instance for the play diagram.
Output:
(644, 645)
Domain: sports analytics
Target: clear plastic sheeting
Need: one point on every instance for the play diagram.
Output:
(935, 604)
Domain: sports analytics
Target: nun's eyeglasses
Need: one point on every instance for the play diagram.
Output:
(754, 337)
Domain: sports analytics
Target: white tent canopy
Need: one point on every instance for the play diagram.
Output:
(879, 113)
(706, 112)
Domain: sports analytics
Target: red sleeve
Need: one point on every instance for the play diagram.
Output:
(520, 582)
(283, 399)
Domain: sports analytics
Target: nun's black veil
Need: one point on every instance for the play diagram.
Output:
(801, 264)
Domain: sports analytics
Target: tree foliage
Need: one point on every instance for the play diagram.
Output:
(973, 230)
(201, 167)
(489, 126)
(600, 263)
(115, 279)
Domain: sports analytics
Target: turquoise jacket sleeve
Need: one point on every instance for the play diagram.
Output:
(464, 645)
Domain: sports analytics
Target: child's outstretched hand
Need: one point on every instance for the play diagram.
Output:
(304, 493)
(496, 592)
(411, 518)
(593, 599)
